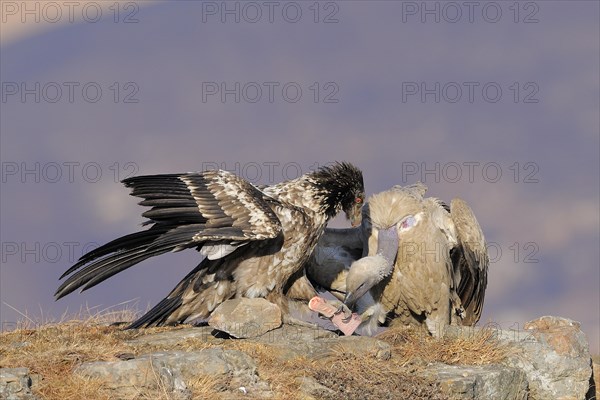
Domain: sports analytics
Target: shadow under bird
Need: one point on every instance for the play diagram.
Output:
(413, 261)
(256, 240)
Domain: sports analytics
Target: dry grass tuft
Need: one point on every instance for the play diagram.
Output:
(125, 311)
(53, 349)
(411, 345)
(208, 387)
(354, 377)
(347, 375)
(59, 383)
(281, 373)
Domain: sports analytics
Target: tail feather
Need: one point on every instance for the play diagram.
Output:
(123, 253)
(169, 213)
(185, 213)
(103, 269)
(158, 314)
(124, 242)
(178, 237)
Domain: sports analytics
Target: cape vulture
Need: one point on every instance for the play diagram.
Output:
(256, 240)
(413, 261)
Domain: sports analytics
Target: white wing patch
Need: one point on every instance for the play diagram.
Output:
(227, 200)
(257, 217)
(216, 251)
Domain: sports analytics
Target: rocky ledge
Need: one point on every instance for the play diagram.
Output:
(548, 359)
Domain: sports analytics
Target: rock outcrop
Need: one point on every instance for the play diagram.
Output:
(15, 384)
(172, 371)
(480, 382)
(246, 318)
(553, 354)
(549, 359)
(556, 359)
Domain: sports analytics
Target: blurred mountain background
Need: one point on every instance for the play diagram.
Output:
(496, 103)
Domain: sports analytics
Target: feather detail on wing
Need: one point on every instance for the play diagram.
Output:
(351, 238)
(216, 210)
(471, 276)
(229, 207)
(331, 259)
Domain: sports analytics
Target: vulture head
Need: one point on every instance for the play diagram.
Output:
(363, 275)
(388, 219)
(343, 183)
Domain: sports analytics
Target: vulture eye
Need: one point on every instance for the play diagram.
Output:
(408, 223)
(358, 200)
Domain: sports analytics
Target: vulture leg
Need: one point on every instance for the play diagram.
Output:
(341, 308)
(299, 287)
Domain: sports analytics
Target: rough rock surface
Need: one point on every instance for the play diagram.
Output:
(321, 348)
(550, 360)
(170, 371)
(15, 384)
(487, 382)
(556, 359)
(246, 318)
(169, 339)
(553, 353)
(594, 393)
(311, 389)
(288, 342)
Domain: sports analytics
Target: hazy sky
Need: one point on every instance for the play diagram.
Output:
(492, 102)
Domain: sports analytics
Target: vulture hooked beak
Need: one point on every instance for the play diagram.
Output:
(350, 298)
(354, 213)
(362, 276)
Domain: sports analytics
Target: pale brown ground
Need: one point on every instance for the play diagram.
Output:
(53, 350)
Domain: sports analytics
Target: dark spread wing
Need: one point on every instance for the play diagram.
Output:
(215, 211)
(347, 237)
(471, 261)
(212, 281)
(226, 205)
(331, 259)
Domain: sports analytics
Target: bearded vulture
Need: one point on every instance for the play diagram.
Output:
(255, 239)
(413, 261)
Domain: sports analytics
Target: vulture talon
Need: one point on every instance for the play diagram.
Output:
(343, 309)
(347, 319)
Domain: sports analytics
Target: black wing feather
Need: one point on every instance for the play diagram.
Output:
(158, 314)
(187, 210)
(129, 254)
(471, 261)
(125, 242)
